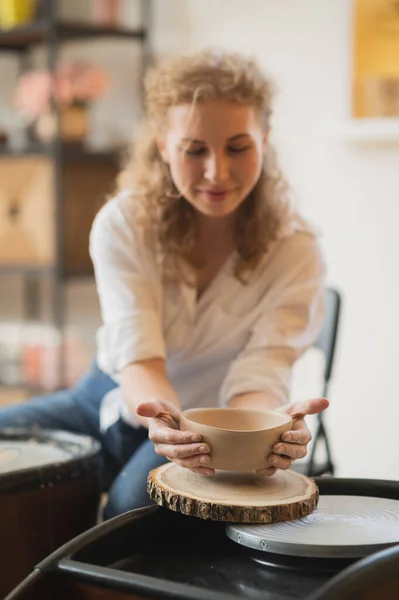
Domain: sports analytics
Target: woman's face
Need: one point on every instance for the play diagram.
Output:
(215, 154)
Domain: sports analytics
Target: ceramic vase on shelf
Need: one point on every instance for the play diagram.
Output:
(74, 124)
(16, 12)
(106, 12)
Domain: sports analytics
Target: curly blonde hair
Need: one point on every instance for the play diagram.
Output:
(207, 75)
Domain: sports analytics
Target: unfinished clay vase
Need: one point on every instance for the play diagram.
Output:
(240, 439)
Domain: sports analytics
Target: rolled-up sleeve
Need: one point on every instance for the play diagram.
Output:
(291, 318)
(129, 289)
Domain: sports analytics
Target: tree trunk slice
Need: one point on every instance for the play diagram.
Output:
(234, 497)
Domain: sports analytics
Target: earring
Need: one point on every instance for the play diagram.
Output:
(172, 192)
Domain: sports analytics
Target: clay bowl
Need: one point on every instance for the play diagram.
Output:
(240, 439)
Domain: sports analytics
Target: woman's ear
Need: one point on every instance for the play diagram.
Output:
(160, 141)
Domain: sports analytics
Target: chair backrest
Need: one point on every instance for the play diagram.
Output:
(375, 577)
(327, 339)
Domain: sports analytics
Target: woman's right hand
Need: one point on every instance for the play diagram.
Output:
(182, 447)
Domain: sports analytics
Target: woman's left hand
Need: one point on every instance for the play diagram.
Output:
(293, 444)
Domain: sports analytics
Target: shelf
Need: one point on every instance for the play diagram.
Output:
(27, 151)
(69, 152)
(21, 38)
(82, 153)
(43, 271)
(24, 388)
(34, 270)
(384, 129)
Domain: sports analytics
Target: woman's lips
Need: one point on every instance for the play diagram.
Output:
(216, 194)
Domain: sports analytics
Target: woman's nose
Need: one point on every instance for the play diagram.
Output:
(217, 168)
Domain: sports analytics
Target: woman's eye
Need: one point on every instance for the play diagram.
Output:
(237, 150)
(202, 151)
(198, 152)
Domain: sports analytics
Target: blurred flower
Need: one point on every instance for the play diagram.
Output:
(76, 82)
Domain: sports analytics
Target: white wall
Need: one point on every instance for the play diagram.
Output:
(350, 192)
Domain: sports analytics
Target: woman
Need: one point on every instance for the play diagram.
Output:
(210, 286)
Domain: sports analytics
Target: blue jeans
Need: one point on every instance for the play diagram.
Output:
(127, 455)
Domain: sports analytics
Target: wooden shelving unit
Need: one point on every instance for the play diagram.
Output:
(50, 32)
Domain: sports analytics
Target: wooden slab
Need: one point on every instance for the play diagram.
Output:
(234, 497)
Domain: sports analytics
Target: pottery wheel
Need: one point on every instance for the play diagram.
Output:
(341, 526)
(232, 496)
(15, 456)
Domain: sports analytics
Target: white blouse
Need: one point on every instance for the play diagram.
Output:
(236, 338)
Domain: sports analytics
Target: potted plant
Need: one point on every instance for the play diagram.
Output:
(71, 88)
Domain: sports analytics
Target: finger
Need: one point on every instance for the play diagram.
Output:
(181, 450)
(157, 408)
(308, 407)
(280, 462)
(160, 434)
(294, 451)
(148, 409)
(267, 472)
(203, 471)
(200, 460)
(297, 436)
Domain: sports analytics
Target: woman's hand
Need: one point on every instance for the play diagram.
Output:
(182, 447)
(294, 443)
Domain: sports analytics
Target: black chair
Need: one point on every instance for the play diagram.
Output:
(326, 342)
(375, 577)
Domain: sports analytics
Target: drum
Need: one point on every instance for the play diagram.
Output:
(49, 493)
(153, 553)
